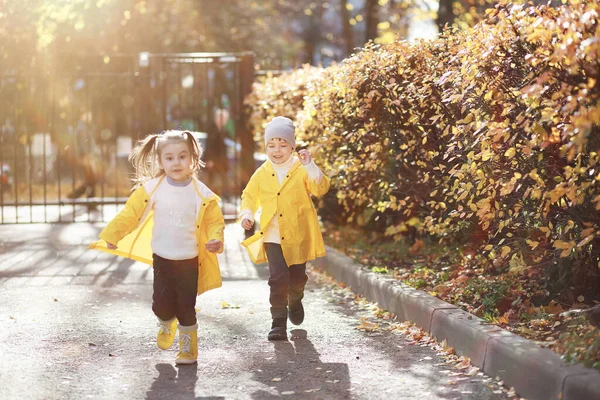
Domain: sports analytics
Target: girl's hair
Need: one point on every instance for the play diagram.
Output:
(146, 153)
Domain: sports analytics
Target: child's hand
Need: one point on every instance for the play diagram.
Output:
(213, 245)
(304, 156)
(111, 246)
(247, 224)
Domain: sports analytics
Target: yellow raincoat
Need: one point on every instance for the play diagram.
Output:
(131, 230)
(300, 233)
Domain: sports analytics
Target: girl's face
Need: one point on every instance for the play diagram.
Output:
(279, 151)
(176, 160)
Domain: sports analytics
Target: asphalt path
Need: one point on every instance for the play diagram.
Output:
(77, 324)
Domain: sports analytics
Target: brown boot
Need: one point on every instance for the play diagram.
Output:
(296, 313)
(278, 329)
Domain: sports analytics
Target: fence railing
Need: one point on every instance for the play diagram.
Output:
(65, 138)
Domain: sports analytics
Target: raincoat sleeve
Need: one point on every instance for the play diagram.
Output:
(317, 187)
(215, 223)
(127, 219)
(251, 194)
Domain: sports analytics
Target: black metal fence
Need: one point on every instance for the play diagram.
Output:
(65, 136)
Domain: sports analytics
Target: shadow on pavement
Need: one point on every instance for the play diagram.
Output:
(236, 261)
(174, 383)
(297, 370)
(93, 214)
(409, 360)
(55, 251)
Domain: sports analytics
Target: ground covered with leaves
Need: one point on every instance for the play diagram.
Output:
(374, 320)
(530, 306)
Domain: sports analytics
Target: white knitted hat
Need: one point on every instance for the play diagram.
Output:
(281, 127)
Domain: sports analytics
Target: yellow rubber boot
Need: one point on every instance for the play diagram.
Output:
(188, 345)
(166, 333)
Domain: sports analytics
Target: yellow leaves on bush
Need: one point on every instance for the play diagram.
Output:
(414, 221)
(517, 264)
(545, 230)
(588, 231)
(507, 188)
(510, 153)
(533, 174)
(597, 201)
(567, 247)
(585, 240)
(504, 251)
(486, 130)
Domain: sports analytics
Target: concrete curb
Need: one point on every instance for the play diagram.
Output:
(534, 372)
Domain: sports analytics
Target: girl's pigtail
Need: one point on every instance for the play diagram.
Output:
(143, 158)
(196, 150)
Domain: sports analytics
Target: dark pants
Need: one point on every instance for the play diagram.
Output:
(175, 289)
(284, 281)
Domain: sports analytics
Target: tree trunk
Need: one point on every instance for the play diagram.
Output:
(372, 19)
(445, 14)
(347, 28)
(312, 34)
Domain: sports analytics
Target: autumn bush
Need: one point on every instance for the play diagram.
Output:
(487, 138)
(279, 95)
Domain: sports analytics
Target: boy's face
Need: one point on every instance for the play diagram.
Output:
(279, 151)
(176, 161)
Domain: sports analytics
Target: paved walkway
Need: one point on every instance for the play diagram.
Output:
(77, 324)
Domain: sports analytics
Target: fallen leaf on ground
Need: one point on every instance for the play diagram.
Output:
(312, 390)
(226, 305)
(367, 326)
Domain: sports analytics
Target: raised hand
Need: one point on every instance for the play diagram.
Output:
(305, 157)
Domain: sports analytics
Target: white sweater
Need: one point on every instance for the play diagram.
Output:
(174, 230)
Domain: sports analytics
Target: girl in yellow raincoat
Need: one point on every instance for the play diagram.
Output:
(289, 233)
(173, 222)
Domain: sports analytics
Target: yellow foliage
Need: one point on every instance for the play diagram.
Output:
(477, 129)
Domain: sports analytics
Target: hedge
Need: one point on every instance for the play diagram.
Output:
(488, 137)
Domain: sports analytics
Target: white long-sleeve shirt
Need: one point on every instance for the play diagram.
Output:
(174, 230)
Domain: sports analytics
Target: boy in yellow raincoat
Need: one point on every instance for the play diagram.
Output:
(289, 234)
(173, 222)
